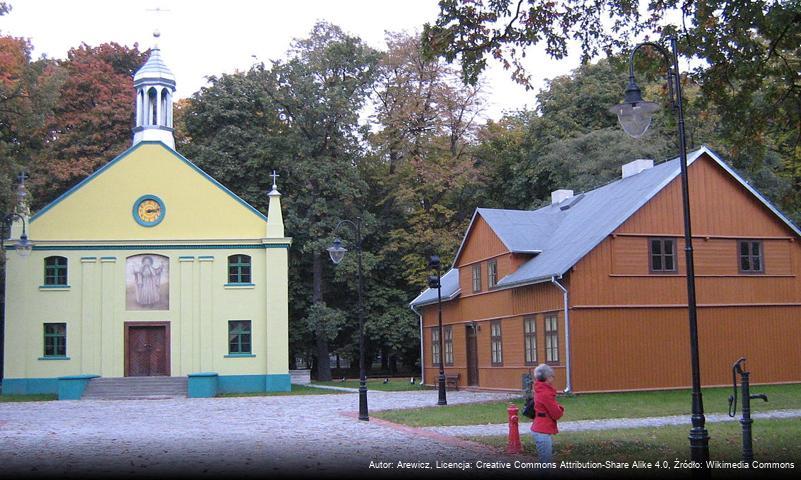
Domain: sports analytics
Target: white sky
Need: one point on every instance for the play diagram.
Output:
(202, 37)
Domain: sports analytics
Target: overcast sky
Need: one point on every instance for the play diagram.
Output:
(202, 37)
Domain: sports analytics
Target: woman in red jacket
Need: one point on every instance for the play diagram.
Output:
(546, 412)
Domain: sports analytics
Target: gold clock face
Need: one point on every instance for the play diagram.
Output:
(149, 211)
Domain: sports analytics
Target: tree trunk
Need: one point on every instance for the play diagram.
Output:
(321, 342)
(384, 359)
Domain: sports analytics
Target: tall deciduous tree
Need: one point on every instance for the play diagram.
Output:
(91, 122)
(749, 51)
(300, 116)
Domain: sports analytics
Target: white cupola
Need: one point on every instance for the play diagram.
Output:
(155, 87)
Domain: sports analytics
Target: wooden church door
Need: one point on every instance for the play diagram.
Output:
(147, 350)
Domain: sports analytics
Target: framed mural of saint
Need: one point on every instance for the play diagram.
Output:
(147, 282)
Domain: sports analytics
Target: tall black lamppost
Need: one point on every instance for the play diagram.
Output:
(635, 115)
(337, 253)
(435, 281)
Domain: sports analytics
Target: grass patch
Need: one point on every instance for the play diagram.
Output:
(775, 440)
(296, 390)
(394, 385)
(42, 397)
(598, 405)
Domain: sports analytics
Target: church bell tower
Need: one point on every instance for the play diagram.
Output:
(155, 87)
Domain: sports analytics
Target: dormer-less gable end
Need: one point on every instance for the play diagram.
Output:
(148, 192)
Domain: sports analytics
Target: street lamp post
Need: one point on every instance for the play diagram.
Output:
(23, 248)
(435, 281)
(635, 115)
(337, 252)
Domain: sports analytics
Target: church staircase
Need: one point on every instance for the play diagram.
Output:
(136, 388)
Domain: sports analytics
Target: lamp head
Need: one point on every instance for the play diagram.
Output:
(434, 262)
(433, 281)
(634, 114)
(24, 246)
(336, 251)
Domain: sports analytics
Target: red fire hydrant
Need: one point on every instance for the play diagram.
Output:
(514, 445)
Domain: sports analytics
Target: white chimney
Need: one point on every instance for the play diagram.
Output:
(637, 166)
(558, 196)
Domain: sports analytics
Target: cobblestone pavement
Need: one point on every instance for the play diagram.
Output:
(240, 435)
(605, 424)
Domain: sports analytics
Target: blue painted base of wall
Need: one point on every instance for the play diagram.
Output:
(29, 386)
(204, 385)
(201, 385)
(71, 387)
(278, 383)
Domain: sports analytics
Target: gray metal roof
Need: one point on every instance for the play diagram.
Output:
(154, 70)
(558, 238)
(450, 290)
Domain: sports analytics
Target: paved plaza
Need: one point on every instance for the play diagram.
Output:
(242, 435)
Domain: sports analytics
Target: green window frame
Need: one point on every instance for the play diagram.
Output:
(239, 337)
(55, 339)
(55, 271)
(239, 269)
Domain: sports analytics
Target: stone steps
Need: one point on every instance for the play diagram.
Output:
(130, 388)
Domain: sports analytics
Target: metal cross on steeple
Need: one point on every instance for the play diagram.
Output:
(156, 33)
(274, 175)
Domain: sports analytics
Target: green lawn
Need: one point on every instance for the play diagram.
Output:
(599, 405)
(44, 397)
(394, 385)
(296, 390)
(774, 440)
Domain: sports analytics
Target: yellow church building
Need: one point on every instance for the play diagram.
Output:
(148, 268)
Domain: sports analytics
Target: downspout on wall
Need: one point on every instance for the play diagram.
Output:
(422, 365)
(568, 383)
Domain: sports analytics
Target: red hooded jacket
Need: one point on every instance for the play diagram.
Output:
(546, 409)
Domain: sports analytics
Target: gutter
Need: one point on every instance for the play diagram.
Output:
(568, 384)
(422, 350)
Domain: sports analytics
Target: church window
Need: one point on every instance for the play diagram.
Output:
(55, 339)
(55, 271)
(239, 336)
(239, 269)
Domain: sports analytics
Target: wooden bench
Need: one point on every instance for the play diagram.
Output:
(452, 381)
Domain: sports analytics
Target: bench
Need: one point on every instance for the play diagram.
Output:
(452, 381)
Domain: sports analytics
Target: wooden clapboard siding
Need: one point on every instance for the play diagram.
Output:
(481, 244)
(648, 348)
(719, 205)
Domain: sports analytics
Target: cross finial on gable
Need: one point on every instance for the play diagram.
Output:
(22, 177)
(274, 175)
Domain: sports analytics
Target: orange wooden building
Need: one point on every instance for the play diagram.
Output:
(594, 284)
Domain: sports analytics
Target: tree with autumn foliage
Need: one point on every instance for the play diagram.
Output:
(91, 122)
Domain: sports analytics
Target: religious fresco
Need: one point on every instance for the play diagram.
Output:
(147, 282)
